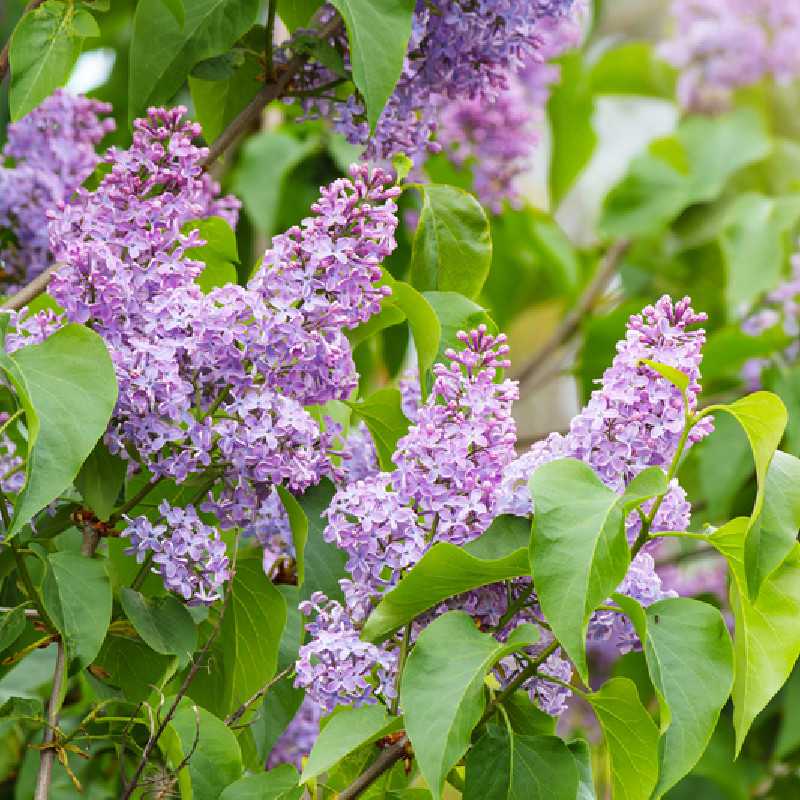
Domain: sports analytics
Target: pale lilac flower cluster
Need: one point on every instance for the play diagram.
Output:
(189, 555)
(634, 421)
(458, 50)
(48, 155)
(496, 137)
(720, 45)
(449, 468)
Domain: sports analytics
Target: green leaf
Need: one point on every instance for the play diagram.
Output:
(383, 415)
(76, 593)
(773, 536)
(447, 570)
(631, 737)
(100, 480)
(579, 552)
(42, 53)
(163, 51)
(633, 68)
(297, 13)
(526, 718)
(452, 244)
(690, 660)
(570, 111)
(456, 313)
(216, 761)
(788, 740)
(693, 166)
(756, 230)
(762, 416)
(68, 389)
(583, 760)
(245, 654)
(217, 102)
(345, 732)
(324, 562)
(298, 522)
(219, 253)
(132, 667)
(84, 24)
(389, 315)
(504, 766)
(674, 376)
(378, 32)
(265, 162)
(175, 7)
(12, 624)
(277, 784)
(442, 691)
(767, 637)
(163, 623)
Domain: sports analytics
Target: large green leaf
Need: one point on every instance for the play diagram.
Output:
(445, 570)
(378, 31)
(297, 13)
(219, 253)
(505, 766)
(345, 732)
(384, 417)
(68, 389)
(163, 51)
(77, 596)
(579, 552)
(633, 68)
(767, 636)
(631, 737)
(762, 416)
(216, 761)
(324, 562)
(570, 111)
(163, 623)
(298, 522)
(582, 754)
(277, 784)
(132, 667)
(442, 691)
(265, 162)
(452, 244)
(245, 654)
(12, 623)
(756, 230)
(100, 480)
(42, 53)
(690, 660)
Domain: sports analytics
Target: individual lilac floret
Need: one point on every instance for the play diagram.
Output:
(49, 154)
(720, 45)
(296, 741)
(188, 554)
(451, 462)
(335, 666)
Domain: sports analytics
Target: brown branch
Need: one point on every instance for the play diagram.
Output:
(384, 762)
(268, 93)
(48, 754)
(4, 52)
(571, 322)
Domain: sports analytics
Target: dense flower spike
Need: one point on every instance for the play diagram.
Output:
(296, 741)
(48, 155)
(720, 45)
(187, 553)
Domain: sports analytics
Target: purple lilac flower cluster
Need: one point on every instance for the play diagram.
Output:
(720, 45)
(216, 384)
(472, 68)
(632, 422)
(48, 155)
(444, 489)
(296, 741)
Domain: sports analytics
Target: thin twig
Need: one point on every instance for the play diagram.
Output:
(32, 613)
(571, 322)
(235, 716)
(4, 53)
(48, 754)
(384, 762)
(31, 291)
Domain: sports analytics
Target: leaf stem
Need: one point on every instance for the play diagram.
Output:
(269, 44)
(401, 662)
(25, 577)
(134, 501)
(53, 707)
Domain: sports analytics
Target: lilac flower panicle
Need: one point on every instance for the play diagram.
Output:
(720, 45)
(48, 155)
(188, 554)
(296, 741)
